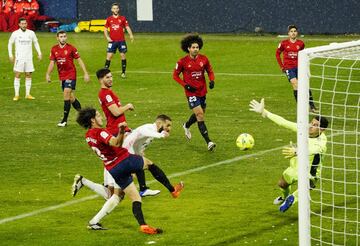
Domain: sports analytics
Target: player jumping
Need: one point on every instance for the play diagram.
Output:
(136, 143)
(317, 148)
(121, 164)
(289, 64)
(115, 36)
(64, 54)
(23, 61)
(193, 67)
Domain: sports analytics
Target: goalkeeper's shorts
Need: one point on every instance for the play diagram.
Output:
(290, 175)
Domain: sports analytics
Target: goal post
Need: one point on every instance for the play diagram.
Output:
(329, 214)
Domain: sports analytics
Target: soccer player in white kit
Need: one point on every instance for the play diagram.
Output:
(23, 60)
(136, 142)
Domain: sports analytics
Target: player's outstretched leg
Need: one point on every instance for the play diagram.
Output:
(160, 176)
(80, 181)
(144, 189)
(108, 207)
(133, 194)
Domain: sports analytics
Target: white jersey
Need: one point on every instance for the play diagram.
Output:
(138, 140)
(23, 44)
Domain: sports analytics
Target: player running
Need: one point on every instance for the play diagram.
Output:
(289, 63)
(64, 54)
(193, 67)
(121, 164)
(23, 60)
(317, 149)
(136, 143)
(115, 36)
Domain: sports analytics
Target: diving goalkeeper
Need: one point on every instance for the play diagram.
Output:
(317, 149)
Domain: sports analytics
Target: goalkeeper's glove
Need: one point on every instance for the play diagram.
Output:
(189, 88)
(211, 84)
(289, 151)
(258, 107)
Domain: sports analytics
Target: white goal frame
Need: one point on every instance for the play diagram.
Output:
(302, 136)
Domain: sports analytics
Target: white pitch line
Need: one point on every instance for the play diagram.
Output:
(43, 210)
(198, 169)
(164, 72)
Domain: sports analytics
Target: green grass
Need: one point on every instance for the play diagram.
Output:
(224, 205)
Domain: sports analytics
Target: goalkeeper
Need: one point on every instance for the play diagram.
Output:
(317, 149)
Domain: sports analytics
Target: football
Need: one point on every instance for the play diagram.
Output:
(245, 141)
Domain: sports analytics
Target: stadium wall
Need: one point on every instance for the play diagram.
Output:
(227, 16)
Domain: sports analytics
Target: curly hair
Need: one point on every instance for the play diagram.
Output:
(189, 39)
(84, 117)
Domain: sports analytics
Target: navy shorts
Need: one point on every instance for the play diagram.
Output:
(123, 170)
(291, 73)
(195, 101)
(69, 83)
(119, 45)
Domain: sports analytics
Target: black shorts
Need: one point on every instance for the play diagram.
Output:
(118, 45)
(291, 73)
(69, 83)
(195, 101)
(123, 170)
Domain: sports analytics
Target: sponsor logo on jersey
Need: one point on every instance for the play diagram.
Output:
(115, 26)
(196, 74)
(108, 98)
(104, 134)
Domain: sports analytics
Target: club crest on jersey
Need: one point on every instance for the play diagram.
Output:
(201, 64)
(65, 52)
(297, 47)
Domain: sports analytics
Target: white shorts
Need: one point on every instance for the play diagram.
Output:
(24, 66)
(109, 180)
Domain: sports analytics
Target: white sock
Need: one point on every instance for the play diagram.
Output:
(17, 86)
(97, 188)
(27, 86)
(106, 209)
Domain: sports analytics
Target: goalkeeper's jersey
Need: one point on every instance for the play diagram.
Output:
(316, 145)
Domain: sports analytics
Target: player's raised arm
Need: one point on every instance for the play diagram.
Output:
(259, 107)
(116, 110)
(119, 139)
(83, 67)
(149, 132)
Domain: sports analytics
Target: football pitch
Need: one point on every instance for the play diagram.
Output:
(228, 193)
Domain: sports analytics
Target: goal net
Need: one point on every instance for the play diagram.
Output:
(329, 213)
